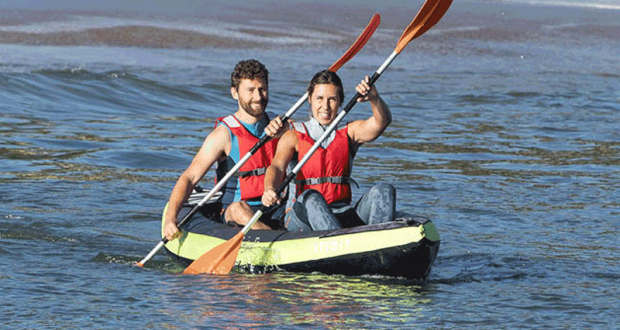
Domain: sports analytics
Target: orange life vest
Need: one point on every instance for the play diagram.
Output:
(248, 182)
(328, 170)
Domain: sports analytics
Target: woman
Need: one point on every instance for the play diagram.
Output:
(321, 197)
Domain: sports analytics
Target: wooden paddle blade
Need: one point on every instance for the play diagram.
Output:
(219, 260)
(430, 13)
(359, 43)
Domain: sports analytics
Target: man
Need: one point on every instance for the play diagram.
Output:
(231, 139)
(323, 191)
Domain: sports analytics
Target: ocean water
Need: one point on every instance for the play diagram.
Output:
(505, 134)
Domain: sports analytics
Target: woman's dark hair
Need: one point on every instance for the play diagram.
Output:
(327, 77)
(249, 69)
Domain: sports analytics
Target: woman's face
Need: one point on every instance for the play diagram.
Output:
(324, 103)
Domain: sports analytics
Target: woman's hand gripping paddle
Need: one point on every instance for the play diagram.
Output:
(352, 51)
(221, 259)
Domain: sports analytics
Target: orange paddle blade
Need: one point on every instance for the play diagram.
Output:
(359, 43)
(219, 260)
(435, 16)
(430, 13)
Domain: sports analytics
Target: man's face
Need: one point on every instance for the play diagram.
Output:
(252, 95)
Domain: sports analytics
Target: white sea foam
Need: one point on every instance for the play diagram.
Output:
(285, 34)
(600, 4)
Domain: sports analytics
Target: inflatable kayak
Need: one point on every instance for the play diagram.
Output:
(405, 247)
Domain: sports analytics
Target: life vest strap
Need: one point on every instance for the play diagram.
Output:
(329, 179)
(254, 172)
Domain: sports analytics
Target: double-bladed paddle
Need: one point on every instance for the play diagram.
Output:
(221, 259)
(352, 51)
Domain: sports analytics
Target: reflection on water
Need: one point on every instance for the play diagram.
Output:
(309, 299)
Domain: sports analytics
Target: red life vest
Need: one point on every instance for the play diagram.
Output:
(250, 179)
(328, 170)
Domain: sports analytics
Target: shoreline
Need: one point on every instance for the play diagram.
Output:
(299, 27)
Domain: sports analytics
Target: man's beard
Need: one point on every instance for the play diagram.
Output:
(253, 112)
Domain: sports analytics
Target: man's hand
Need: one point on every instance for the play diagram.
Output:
(171, 231)
(276, 127)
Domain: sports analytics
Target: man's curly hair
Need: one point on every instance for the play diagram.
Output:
(249, 69)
